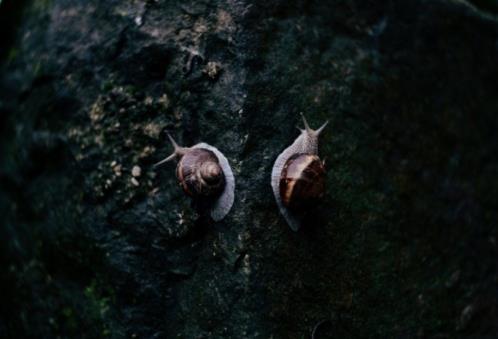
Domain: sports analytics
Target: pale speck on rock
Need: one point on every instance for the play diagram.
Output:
(136, 171)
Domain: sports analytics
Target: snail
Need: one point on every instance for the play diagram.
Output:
(204, 174)
(298, 176)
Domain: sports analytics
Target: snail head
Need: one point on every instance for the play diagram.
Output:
(308, 140)
(178, 151)
(309, 131)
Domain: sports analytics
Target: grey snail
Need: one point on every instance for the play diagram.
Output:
(204, 174)
(298, 176)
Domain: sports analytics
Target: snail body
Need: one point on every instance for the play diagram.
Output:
(204, 174)
(298, 176)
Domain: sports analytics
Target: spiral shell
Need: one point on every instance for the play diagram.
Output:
(302, 181)
(305, 144)
(200, 175)
(205, 175)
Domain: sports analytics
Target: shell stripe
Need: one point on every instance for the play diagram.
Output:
(181, 181)
(296, 147)
(292, 183)
(225, 201)
(306, 142)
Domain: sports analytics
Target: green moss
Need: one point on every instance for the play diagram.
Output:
(98, 304)
(12, 55)
(41, 5)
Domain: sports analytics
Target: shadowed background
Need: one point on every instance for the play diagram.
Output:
(404, 245)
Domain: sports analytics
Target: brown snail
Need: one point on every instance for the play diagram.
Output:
(204, 174)
(298, 176)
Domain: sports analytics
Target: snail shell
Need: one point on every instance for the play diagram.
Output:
(298, 176)
(204, 174)
(302, 181)
(199, 174)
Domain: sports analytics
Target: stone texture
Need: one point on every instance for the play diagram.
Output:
(89, 88)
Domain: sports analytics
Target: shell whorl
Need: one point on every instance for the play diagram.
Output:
(306, 142)
(224, 203)
(302, 181)
(210, 172)
(200, 174)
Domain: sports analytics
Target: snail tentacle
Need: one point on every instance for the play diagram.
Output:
(178, 151)
(204, 174)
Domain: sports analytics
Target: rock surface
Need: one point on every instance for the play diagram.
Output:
(404, 244)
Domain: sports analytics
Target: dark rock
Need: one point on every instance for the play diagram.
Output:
(401, 245)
